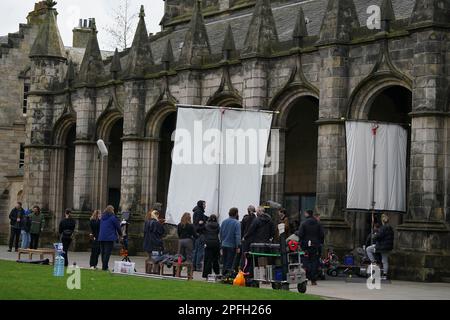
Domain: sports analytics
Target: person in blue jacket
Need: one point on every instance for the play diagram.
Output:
(109, 233)
(230, 236)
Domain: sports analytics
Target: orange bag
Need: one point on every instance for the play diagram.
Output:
(239, 281)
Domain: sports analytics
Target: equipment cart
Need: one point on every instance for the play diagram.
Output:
(267, 265)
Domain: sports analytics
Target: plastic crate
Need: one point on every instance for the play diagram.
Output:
(349, 260)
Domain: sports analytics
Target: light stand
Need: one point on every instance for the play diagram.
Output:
(374, 167)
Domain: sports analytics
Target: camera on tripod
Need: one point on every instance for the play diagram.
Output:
(124, 228)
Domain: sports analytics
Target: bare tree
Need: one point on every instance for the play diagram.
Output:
(124, 23)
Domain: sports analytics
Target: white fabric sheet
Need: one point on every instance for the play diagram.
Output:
(225, 171)
(190, 178)
(242, 162)
(389, 156)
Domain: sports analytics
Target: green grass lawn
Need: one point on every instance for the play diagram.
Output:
(25, 282)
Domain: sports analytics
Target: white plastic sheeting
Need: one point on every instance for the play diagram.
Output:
(243, 163)
(219, 162)
(387, 150)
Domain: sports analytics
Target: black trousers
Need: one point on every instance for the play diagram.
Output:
(311, 263)
(34, 241)
(106, 250)
(14, 238)
(245, 247)
(66, 244)
(211, 263)
(95, 253)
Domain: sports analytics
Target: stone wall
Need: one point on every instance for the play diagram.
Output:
(10, 140)
(15, 71)
(341, 65)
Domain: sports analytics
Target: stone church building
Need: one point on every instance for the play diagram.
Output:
(316, 62)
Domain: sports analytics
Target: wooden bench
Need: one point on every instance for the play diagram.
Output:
(158, 268)
(151, 267)
(40, 252)
(162, 266)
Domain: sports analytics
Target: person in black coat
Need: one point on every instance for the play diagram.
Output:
(384, 244)
(15, 217)
(311, 237)
(153, 234)
(370, 240)
(261, 230)
(212, 247)
(245, 225)
(94, 223)
(199, 219)
(66, 229)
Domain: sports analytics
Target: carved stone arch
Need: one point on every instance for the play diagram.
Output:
(283, 101)
(108, 117)
(105, 123)
(62, 127)
(365, 93)
(58, 180)
(225, 99)
(156, 116)
(155, 120)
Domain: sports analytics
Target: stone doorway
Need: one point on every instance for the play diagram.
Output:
(391, 105)
(301, 158)
(69, 168)
(165, 158)
(115, 164)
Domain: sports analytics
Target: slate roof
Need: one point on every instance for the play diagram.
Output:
(77, 54)
(285, 16)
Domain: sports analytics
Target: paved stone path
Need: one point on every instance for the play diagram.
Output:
(335, 288)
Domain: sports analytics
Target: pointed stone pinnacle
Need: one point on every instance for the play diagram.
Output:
(300, 30)
(196, 43)
(116, 66)
(228, 43)
(339, 21)
(387, 11)
(262, 33)
(167, 56)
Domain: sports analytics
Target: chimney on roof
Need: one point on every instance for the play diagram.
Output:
(38, 14)
(81, 33)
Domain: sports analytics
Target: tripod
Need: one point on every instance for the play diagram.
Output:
(124, 251)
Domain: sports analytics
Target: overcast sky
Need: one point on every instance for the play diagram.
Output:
(70, 11)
